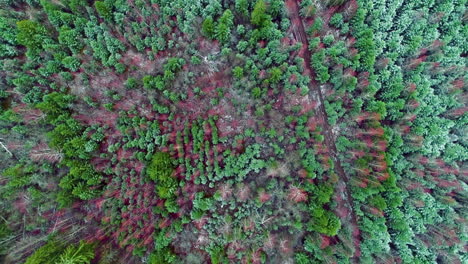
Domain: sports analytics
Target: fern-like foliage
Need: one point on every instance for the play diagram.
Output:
(55, 252)
(46, 254)
(82, 253)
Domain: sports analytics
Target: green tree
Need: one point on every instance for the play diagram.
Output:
(103, 10)
(227, 18)
(208, 28)
(259, 16)
(71, 39)
(275, 74)
(55, 104)
(82, 253)
(324, 221)
(31, 34)
(131, 83)
(223, 33)
(238, 72)
(55, 252)
(71, 63)
(48, 253)
(242, 6)
(257, 92)
(160, 170)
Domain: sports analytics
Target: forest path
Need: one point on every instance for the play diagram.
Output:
(344, 208)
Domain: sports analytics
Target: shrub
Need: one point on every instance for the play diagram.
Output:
(160, 170)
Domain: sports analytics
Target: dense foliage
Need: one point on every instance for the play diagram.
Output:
(266, 131)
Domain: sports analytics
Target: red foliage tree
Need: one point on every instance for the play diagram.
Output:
(297, 195)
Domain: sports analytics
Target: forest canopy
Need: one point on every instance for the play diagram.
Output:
(235, 131)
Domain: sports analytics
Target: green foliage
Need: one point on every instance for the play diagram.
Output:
(275, 75)
(54, 252)
(8, 39)
(238, 72)
(335, 2)
(318, 64)
(324, 221)
(132, 83)
(70, 38)
(31, 34)
(71, 63)
(162, 256)
(224, 26)
(55, 105)
(223, 33)
(5, 235)
(103, 10)
(217, 255)
(161, 82)
(201, 203)
(257, 92)
(242, 6)
(82, 253)
(337, 20)
(227, 18)
(393, 66)
(120, 68)
(48, 253)
(208, 28)
(160, 170)
(259, 17)
(308, 8)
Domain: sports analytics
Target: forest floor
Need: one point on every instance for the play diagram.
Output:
(344, 202)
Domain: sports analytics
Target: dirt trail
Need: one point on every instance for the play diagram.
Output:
(342, 188)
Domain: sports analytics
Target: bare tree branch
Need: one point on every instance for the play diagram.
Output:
(4, 147)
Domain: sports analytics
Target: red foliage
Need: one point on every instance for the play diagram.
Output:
(243, 193)
(382, 63)
(350, 8)
(297, 195)
(379, 165)
(43, 152)
(307, 106)
(436, 44)
(343, 212)
(225, 191)
(99, 203)
(413, 185)
(383, 176)
(302, 173)
(362, 183)
(248, 225)
(329, 13)
(416, 62)
(376, 211)
(200, 222)
(270, 242)
(445, 183)
(293, 78)
(21, 204)
(325, 241)
(29, 114)
(411, 87)
(256, 257)
(458, 84)
(264, 197)
(164, 223)
(285, 246)
(458, 112)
